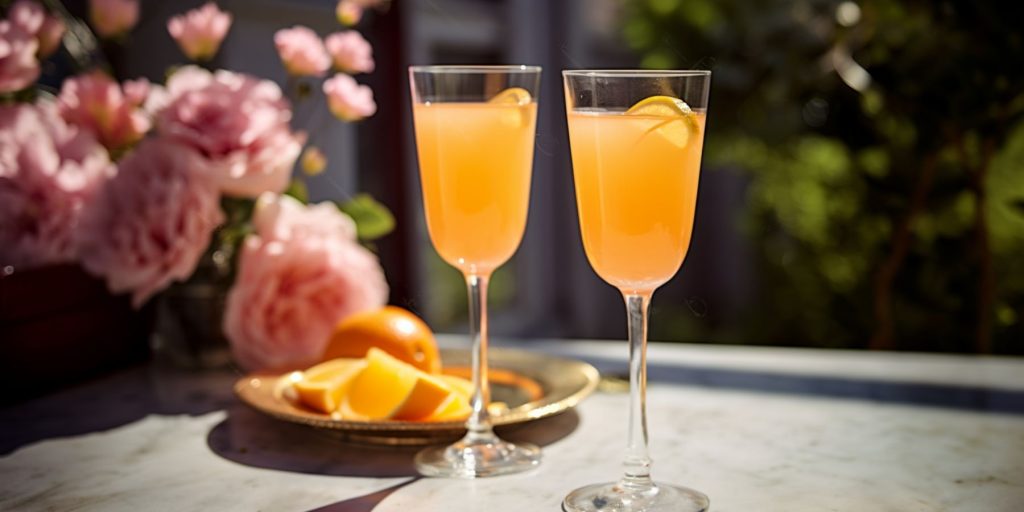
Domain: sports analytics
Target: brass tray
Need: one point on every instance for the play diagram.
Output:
(533, 386)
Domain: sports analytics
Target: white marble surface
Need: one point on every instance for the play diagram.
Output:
(149, 439)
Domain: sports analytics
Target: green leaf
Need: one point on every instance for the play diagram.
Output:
(373, 219)
(298, 190)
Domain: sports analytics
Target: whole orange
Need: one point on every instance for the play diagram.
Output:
(391, 329)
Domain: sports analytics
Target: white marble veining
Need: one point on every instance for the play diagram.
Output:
(749, 451)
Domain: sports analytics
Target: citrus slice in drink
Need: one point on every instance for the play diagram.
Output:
(680, 123)
(511, 96)
(515, 100)
(323, 386)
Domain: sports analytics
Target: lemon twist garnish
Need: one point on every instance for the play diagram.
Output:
(674, 109)
(511, 96)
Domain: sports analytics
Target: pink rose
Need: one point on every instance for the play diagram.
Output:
(49, 171)
(348, 12)
(112, 113)
(200, 31)
(152, 222)
(112, 18)
(350, 52)
(301, 51)
(300, 273)
(33, 19)
(240, 124)
(19, 67)
(348, 100)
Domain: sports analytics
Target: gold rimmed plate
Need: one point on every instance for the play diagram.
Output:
(532, 385)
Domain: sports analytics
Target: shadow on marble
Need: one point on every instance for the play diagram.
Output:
(114, 400)
(253, 439)
(363, 503)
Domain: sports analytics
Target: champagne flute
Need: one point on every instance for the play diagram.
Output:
(474, 137)
(636, 139)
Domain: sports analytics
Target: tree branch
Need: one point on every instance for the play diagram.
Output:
(882, 338)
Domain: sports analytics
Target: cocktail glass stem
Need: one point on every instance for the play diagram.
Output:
(478, 426)
(637, 476)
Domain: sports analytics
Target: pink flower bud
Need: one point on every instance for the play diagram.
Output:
(348, 12)
(111, 18)
(350, 52)
(200, 31)
(313, 161)
(348, 100)
(301, 51)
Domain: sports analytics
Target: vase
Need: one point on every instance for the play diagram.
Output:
(189, 315)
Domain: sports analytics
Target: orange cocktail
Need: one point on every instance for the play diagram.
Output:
(475, 161)
(474, 138)
(636, 189)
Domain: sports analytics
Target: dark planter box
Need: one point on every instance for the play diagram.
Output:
(58, 326)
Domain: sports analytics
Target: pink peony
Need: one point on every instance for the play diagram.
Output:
(48, 172)
(152, 222)
(30, 17)
(200, 31)
(19, 67)
(348, 100)
(111, 18)
(237, 122)
(302, 51)
(350, 52)
(300, 273)
(112, 113)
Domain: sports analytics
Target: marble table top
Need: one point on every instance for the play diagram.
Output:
(757, 429)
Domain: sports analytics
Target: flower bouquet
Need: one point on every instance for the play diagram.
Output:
(182, 197)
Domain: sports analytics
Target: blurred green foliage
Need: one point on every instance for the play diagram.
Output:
(885, 153)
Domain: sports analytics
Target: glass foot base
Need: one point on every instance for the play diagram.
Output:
(614, 497)
(477, 459)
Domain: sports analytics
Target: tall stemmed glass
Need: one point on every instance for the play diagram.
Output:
(636, 139)
(474, 135)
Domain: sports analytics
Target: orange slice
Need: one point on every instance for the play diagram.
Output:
(455, 409)
(391, 389)
(672, 110)
(511, 96)
(392, 329)
(426, 396)
(461, 386)
(323, 386)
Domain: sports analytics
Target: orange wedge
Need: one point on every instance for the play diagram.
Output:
(455, 409)
(426, 396)
(323, 386)
(392, 389)
(461, 386)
